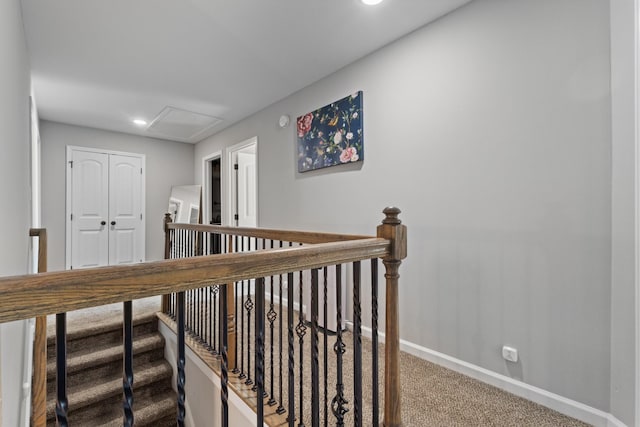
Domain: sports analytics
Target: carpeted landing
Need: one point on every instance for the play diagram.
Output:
(431, 395)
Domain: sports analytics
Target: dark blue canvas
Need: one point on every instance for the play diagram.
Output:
(331, 135)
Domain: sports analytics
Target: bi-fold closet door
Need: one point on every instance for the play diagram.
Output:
(106, 200)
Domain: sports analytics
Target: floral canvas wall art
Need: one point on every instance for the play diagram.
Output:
(331, 135)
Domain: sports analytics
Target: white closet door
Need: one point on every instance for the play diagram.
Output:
(105, 196)
(89, 209)
(247, 190)
(125, 210)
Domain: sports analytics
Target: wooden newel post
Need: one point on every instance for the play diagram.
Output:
(393, 230)
(167, 255)
(39, 381)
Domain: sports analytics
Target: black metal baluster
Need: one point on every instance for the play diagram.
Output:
(280, 409)
(62, 404)
(357, 347)
(242, 315)
(248, 305)
(315, 375)
(201, 332)
(259, 374)
(193, 309)
(205, 315)
(236, 295)
(291, 383)
(339, 403)
(181, 360)
(127, 380)
(374, 339)
(271, 316)
(187, 319)
(326, 350)
(224, 394)
(211, 320)
(301, 330)
(214, 340)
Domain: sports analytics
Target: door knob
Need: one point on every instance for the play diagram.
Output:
(113, 223)
(103, 223)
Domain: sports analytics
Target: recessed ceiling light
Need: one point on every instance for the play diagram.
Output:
(371, 2)
(140, 122)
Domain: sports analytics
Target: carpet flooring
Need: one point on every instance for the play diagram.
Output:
(431, 395)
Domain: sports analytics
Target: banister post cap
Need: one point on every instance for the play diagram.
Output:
(392, 229)
(391, 213)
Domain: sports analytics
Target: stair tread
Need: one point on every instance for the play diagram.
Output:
(83, 330)
(82, 360)
(161, 406)
(147, 374)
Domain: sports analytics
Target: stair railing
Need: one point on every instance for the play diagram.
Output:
(28, 296)
(256, 342)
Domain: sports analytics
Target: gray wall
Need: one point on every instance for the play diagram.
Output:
(623, 257)
(14, 180)
(168, 163)
(491, 130)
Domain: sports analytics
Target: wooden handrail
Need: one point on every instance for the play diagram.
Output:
(269, 234)
(24, 297)
(28, 296)
(39, 383)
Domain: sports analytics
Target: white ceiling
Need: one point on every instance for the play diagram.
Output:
(103, 63)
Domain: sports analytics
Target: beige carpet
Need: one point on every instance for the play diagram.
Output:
(431, 395)
(95, 316)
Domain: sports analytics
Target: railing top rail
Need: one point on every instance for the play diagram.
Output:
(270, 234)
(23, 297)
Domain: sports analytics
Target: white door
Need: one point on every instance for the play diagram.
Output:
(125, 212)
(246, 195)
(106, 200)
(89, 209)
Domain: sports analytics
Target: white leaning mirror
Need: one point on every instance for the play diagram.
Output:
(185, 204)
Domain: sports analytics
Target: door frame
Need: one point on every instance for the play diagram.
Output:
(143, 196)
(206, 184)
(227, 175)
(636, 102)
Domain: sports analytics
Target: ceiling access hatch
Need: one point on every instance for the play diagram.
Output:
(182, 125)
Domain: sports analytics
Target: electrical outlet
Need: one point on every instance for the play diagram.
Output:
(510, 353)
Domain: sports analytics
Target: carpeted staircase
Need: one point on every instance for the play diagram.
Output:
(94, 375)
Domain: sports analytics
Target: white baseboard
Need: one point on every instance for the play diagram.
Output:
(543, 397)
(614, 422)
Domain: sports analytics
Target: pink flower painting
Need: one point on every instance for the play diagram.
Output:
(349, 154)
(331, 135)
